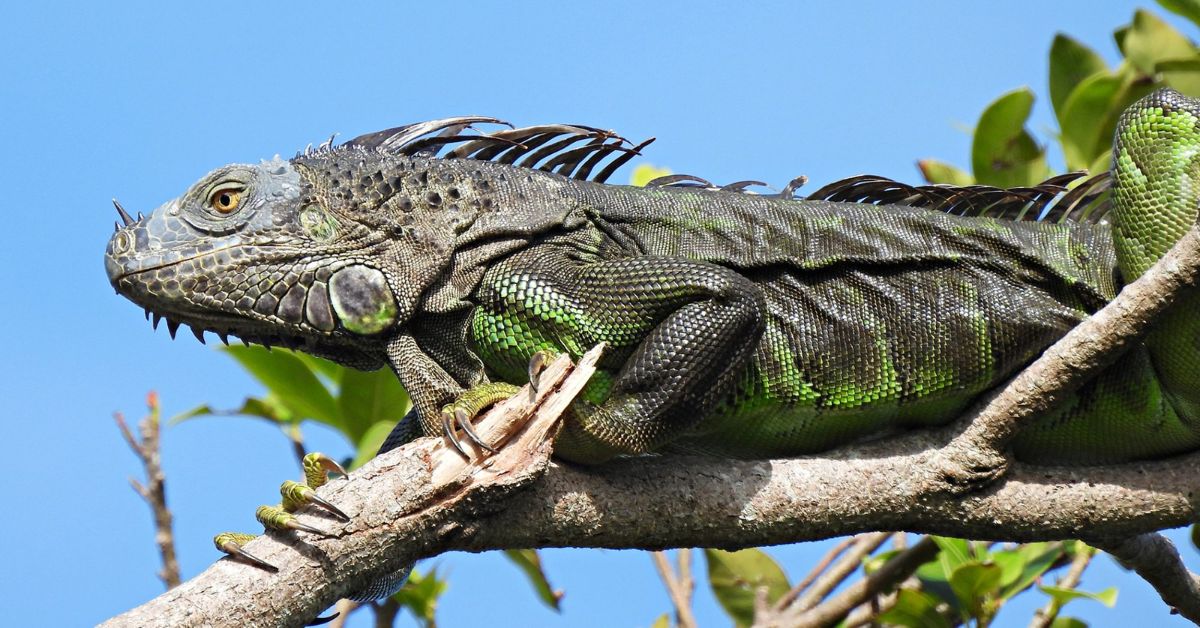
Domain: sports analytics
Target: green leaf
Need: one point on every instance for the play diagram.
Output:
(368, 397)
(735, 576)
(1181, 74)
(198, 411)
(1189, 9)
(372, 439)
(915, 609)
(646, 173)
(1003, 154)
(1101, 163)
(531, 564)
(1070, 63)
(1039, 558)
(1107, 597)
(1195, 536)
(420, 594)
(331, 370)
(663, 621)
(1011, 564)
(1120, 36)
(1068, 622)
(292, 381)
(1151, 40)
(974, 583)
(1083, 119)
(936, 171)
(954, 552)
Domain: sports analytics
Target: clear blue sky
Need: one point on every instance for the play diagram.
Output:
(140, 100)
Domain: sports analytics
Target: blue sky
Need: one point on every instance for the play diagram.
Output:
(137, 101)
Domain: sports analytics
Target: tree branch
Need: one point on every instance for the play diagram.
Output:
(1154, 558)
(421, 500)
(891, 574)
(863, 547)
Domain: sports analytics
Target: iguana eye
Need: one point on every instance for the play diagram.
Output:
(225, 200)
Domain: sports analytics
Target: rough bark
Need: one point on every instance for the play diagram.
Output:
(421, 500)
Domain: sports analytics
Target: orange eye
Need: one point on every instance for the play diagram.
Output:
(225, 200)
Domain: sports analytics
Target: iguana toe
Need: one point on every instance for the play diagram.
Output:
(296, 495)
(276, 518)
(231, 543)
(318, 466)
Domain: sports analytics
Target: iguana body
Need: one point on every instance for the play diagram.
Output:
(738, 324)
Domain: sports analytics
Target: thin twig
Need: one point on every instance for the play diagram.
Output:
(154, 491)
(864, 544)
(867, 613)
(1046, 614)
(679, 590)
(788, 598)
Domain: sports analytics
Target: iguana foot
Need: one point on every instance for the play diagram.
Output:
(317, 467)
(464, 409)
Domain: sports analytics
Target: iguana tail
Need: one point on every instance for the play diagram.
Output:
(1156, 193)
(1147, 404)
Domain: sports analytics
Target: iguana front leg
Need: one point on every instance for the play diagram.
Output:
(681, 331)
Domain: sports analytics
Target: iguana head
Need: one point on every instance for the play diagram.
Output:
(259, 252)
(334, 250)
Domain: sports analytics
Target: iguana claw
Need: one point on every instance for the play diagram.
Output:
(231, 543)
(464, 421)
(448, 434)
(537, 363)
(468, 405)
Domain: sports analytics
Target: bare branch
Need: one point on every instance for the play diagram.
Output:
(1154, 558)
(154, 492)
(788, 598)
(891, 574)
(428, 489)
(864, 545)
(344, 608)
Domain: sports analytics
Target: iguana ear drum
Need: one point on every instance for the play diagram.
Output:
(362, 299)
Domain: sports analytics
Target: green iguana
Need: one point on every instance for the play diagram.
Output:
(739, 324)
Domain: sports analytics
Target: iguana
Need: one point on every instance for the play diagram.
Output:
(738, 324)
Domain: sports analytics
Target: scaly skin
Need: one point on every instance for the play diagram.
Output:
(739, 325)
